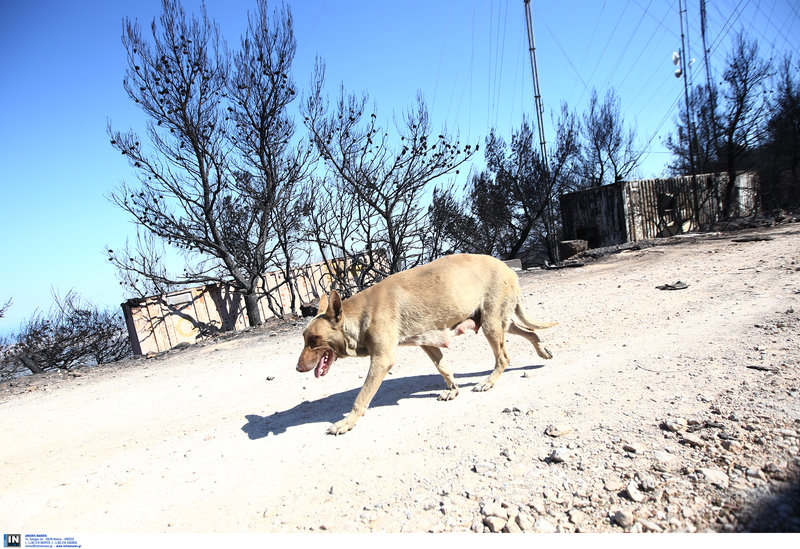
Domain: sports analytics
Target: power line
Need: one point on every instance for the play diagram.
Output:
(499, 70)
(594, 32)
(661, 24)
(489, 79)
(794, 9)
(564, 53)
(517, 65)
(625, 48)
(770, 22)
(649, 40)
(728, 23)
(441, 56)
(610, 36)
(495, 79)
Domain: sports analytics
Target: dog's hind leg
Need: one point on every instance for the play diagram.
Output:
(495, 334)
(533, 338)
(437, 357)
(378, 368)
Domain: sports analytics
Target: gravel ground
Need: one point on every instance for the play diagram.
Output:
(662, 411)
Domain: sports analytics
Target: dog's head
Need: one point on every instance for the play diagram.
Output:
(323, 337)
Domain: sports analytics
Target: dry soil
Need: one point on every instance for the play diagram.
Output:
(662, 410)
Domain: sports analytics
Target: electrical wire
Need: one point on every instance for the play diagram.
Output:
(625, 51)
(643, 50)
(564, 53)
(499, 59)
(610, 36)
(594, 32)
(728, 23)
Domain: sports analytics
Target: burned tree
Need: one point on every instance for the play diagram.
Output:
(219, 159)
(383, 178)
(744, 110)
(510, 207)
(781, 162)
(728, 120)
(74, 333)
(608, 153)
(272, 166)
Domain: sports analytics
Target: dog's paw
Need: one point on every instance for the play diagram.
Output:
(543, 352)
(450, 394)
(483, 386)
(341, 427)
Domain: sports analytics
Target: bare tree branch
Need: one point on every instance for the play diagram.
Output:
(220, 159)
(382, 178)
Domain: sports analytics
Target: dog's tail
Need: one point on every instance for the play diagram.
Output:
(528, 323)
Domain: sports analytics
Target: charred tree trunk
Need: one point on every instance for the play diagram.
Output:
(31, 364)
(251, 307)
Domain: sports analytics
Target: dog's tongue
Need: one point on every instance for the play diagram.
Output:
(324, 364)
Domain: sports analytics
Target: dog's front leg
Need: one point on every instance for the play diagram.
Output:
(378, 368)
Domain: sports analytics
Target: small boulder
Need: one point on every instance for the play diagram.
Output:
(692, 440)
(557, 430)
(495, 524)
(569, 248)
(716, 476)
(632, 492)
(558, 455)
(675, 424)
(543, 526)
(624, 518)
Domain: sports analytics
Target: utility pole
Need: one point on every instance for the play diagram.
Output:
(549, 217)
(709, 83)
(689, 131)
(683, 67)
(537, 95)
(703, 36)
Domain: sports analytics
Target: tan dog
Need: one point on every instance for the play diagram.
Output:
(425, 306)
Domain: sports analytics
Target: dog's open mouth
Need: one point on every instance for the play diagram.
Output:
(324, 363)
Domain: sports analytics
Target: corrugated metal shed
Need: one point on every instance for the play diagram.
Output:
(627, 211)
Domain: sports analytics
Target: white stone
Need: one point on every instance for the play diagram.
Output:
(543, 526)
(558, 430)
(675, 424)
(632, 491)
(624, 518)
(716, 476)
(495, 524)
(559, 455)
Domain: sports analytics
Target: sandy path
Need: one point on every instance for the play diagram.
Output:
(228, 437)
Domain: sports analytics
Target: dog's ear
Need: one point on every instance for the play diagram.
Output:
(334, 312)
(323, 304)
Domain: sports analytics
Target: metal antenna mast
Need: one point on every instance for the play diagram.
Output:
(709, 82)
(689, 131)
(537, 96)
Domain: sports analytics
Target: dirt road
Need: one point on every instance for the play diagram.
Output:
(661, 411)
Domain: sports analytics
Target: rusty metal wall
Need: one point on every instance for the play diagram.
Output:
(653, 208)
(596, 214)
(158, 323)
(657, 208)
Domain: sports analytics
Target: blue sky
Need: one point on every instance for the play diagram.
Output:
(63, 64)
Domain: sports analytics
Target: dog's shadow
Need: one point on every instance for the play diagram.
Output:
(332, 408)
